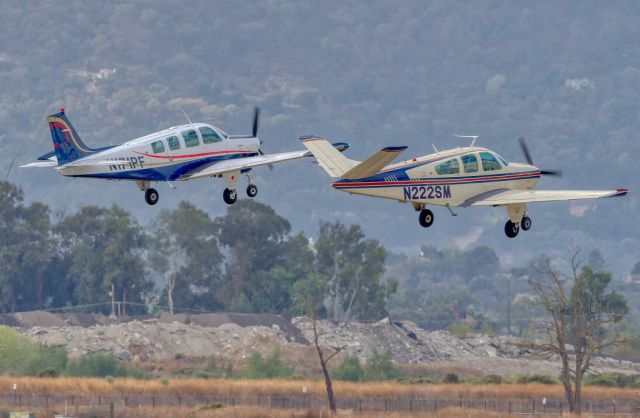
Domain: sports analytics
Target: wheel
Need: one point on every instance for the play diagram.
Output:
(252, 190)
(425, 218)
(230, 196)
(151, 196)
(525, 224)
(511, 229)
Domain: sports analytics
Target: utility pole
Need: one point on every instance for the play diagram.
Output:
(509, 305)
(113, 302)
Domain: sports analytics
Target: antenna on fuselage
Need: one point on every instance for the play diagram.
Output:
(474, 138)
(186, 116)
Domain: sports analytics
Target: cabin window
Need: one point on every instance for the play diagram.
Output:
(174, 143)
(448, 167)
(489, 162)
(157, 147)
(470, 163)
(190, 138)
(209, 136)
(504, 162)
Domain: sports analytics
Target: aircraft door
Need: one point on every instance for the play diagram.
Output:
(173, 146)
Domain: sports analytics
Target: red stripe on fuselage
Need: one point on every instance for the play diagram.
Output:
(514, 176)
(203, 154)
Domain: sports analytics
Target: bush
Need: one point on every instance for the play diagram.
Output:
(274, 366)
(460, 329)
(490, 379)
(613, 379)
(536, 378)
(349, 369)
(451, 378)
(20, 355)
(380, 367)
(101, 365)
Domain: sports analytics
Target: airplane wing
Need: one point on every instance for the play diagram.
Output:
(508, 197)
(237, 164)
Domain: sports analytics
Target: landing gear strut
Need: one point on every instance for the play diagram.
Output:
(230, 196)
(151, 196)
(425, 218)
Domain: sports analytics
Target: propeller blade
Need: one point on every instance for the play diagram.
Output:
(256, 120)
(525, 151)
(262, 153)
(557, 173)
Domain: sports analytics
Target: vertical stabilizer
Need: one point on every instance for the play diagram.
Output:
(66, 142)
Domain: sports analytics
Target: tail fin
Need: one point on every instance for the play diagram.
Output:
(329, 158)
(66, 142)
(337, 165)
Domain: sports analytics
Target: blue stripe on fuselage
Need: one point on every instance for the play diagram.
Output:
(167, 172)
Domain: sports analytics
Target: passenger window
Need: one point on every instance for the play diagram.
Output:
(489, 162)
(157, 146)
(209, 136)
(448, 167)
(470, 163)
(174, 143)
(190, 138)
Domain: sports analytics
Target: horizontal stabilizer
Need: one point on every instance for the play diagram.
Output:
(328, 156)
(373, 164)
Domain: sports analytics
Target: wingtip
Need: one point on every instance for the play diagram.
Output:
(306, 138)
(621, 192)
(395, 149)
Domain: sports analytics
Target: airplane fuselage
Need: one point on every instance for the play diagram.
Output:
(451, 177)
(164, 155)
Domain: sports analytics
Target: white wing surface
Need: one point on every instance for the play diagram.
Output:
(237, 164)
(508, 197)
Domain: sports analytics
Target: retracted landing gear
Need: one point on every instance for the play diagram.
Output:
(230, 196)
(425, 218)
(252, 190)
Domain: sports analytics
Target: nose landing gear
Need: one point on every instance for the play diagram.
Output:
(252, 190)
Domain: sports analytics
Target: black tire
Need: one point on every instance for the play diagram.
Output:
(511, 229)
(525, 224)
(151, 196)
(252, 190)
(230, 196)
(425, 218)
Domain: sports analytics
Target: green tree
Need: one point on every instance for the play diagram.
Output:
(380, 366)
(104, 247)
(263, 261)
(349, 369)
(353, 267)
(26, 249)
(273, 366)
(186, 254)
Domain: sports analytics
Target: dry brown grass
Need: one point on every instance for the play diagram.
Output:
(238, 388)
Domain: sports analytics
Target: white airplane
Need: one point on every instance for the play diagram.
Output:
(460, 177)
(179, 153)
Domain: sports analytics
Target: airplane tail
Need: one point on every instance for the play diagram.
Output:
(66, 142)
(337, 165)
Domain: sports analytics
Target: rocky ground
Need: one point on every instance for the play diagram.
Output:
(232, 337)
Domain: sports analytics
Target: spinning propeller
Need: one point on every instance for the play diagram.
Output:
(254, 132)
(527, 156)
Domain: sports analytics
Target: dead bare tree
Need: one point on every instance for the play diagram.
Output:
(578, 315)
(312, 318)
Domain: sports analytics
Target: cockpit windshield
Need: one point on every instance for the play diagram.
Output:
(504, 162)
(223, 133)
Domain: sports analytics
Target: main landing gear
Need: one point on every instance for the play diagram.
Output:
(425, 218)
(151, 196)
(511, 229)
(231, 195)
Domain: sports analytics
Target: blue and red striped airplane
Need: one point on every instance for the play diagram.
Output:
(459, 177)
(179, 153)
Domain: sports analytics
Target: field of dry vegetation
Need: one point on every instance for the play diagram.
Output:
(227, 387)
